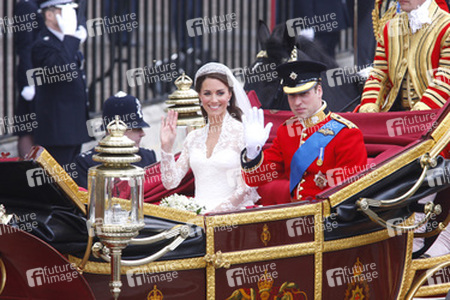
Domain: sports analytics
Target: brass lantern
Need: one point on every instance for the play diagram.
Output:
(185, 101)
(114, 221)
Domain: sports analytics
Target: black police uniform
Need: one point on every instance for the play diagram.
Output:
(23, 40)
(62, 105)
(327, 17)
(84, 161)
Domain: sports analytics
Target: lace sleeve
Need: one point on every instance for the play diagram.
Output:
(173, 172)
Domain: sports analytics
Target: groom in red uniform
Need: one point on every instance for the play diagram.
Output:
(312, 147)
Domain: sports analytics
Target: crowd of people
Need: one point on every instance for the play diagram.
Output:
(231, 144)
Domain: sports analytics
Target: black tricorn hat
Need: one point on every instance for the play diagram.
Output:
(300, 76)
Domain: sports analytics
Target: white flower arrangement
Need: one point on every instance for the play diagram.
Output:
(182, 202)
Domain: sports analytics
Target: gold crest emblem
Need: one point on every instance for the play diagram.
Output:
(265, 235)
(358, 289)
(155, 294)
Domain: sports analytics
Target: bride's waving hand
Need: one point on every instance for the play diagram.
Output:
(168, 131)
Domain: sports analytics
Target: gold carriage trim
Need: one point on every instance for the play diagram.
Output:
(326, 209)
(442, 129)
(427, 263)
(55, 171)
(274, 214)
(170, 213)
(407, 280)
(168, 265)
(269, 253)
(440, 289)
(357, 241)
(210, 269)
(173, 214)
(381, 172)
(318, 256)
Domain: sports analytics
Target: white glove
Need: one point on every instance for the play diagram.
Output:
(28, 92)
(81, 34)
(67, 21)
(308, 33)
(255, 134)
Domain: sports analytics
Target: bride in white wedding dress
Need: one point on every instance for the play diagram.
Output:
(213, 151)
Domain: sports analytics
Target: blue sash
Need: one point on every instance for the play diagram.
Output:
(308, 152)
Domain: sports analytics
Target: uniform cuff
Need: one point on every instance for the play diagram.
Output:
(249, 166)
(369, 108)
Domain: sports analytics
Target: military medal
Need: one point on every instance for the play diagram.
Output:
(320, 160)
(320, 180)
(326, 131)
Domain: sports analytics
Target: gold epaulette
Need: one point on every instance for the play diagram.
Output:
(380, 20)
(291, 118)
(344, 121)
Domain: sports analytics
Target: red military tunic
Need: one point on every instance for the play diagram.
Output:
(344, 156)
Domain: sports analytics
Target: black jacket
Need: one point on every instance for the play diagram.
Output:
(24, 39)
(323, 15)
(61, 98)
(82, 163)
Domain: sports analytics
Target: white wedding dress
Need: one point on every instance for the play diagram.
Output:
(218, 182)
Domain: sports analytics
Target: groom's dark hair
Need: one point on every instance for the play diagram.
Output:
(232, 109)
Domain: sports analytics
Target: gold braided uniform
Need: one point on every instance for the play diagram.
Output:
(415, 65)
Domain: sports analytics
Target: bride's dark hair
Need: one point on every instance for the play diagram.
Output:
(232, 109)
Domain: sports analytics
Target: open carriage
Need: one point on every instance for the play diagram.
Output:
(354, 242)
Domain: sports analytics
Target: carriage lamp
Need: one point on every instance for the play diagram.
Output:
(114, 220)
(185, 101)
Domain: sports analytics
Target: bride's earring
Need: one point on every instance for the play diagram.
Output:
(229, 102)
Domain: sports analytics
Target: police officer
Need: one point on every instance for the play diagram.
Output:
(61, 98)
(311, 146)
(27, 13)
(128, 108)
